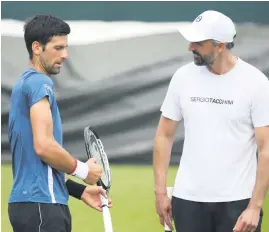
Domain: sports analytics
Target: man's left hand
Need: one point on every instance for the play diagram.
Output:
(91, 197)
(248, 221)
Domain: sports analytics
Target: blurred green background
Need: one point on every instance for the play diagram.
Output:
(133, 202)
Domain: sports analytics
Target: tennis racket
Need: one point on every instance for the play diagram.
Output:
(169, 194)
(95, 149)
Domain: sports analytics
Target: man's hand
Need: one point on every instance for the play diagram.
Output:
(91, 197)
(164, 209)
(95, 172)
(248, 220)
(161, 157)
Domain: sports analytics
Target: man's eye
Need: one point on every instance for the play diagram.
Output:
(58, 48)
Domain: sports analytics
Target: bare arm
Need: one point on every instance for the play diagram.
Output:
(162, 152)
(46, 147)
(262, 179)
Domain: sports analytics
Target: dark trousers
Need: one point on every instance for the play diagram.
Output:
(39, 217)
(190, 216)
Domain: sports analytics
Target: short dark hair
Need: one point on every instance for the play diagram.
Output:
(229, 45)
(42, 28)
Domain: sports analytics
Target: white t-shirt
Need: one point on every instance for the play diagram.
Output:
(220, 114)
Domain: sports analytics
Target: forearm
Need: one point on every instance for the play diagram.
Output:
(74, 189)
(262, 181)
(161, 160)
(56, 156)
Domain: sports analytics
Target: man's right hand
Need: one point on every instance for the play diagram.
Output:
(95, 172)
(164, 209)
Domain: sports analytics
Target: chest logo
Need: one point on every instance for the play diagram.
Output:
(212, 100)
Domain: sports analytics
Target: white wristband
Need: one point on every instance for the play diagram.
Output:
(81, 171)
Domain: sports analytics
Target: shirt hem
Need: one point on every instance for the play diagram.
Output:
(164, 114)
(212, 199)
(39, 200)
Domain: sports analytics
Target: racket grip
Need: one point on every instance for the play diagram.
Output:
(106, 215)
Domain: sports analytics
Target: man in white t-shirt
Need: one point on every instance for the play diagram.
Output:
(220, 185)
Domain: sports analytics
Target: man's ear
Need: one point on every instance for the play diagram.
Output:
(221, 47)
(36, 48)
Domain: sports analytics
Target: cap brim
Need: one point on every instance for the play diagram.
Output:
(191, 34)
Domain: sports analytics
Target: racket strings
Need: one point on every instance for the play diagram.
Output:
(101, 160)
(96, 150)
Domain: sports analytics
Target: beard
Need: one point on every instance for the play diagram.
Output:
(200, 60)
(50, 69)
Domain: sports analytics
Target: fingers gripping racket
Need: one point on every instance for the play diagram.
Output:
(95, 149)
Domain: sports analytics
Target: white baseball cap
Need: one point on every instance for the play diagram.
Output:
(210, 25)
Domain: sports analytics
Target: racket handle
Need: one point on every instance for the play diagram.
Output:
(106, 215)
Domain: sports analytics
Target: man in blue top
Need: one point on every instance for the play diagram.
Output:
(39, 196)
